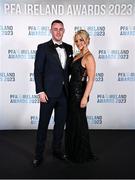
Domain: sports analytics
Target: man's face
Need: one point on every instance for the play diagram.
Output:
(57, 31)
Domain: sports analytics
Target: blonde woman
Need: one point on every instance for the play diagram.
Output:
(77, 142)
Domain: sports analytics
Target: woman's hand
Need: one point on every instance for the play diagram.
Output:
(84, 101)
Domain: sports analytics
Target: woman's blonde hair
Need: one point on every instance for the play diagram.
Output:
(84, 35)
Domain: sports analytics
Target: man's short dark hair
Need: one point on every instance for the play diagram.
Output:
(57, 21)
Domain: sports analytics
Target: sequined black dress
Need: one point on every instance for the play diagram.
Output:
(77, 142)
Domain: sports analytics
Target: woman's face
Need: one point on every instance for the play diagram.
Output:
(80, 42)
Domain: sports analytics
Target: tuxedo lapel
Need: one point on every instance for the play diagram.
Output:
(54, 51)
(68, 54)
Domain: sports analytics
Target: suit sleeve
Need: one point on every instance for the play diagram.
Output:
(39, 69)
(70, 59)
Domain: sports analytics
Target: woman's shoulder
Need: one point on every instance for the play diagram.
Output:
(89, 58)
(88, 55)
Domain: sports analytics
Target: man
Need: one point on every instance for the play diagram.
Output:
(51, 79)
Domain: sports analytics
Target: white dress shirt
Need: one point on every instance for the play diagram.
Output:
(62, 54)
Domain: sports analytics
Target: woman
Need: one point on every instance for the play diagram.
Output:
(77, 142)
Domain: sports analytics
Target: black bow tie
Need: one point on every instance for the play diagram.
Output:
(58, 45)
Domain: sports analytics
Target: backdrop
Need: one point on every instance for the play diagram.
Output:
(111, 25)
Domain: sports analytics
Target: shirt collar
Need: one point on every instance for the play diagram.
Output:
(56, 42)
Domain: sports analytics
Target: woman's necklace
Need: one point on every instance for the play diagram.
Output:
(81, 54)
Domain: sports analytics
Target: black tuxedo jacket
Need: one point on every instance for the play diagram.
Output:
(48, 72)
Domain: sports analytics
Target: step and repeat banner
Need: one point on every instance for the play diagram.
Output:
(111, 25)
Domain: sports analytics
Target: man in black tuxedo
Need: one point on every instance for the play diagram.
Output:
(51, 80)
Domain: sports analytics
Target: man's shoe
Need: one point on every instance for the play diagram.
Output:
(37, 162)
(60, 156)
(93, 157)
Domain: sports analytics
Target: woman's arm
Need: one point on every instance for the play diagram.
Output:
(90, 68)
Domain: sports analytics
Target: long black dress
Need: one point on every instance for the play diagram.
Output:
(77, 141)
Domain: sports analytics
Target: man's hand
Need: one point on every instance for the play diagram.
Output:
(43, 97)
